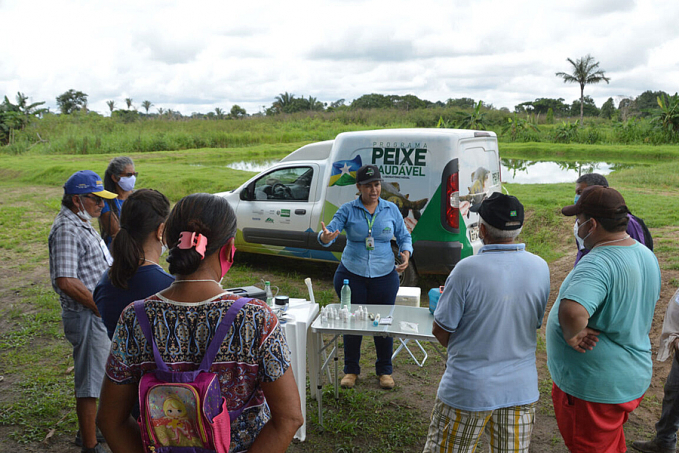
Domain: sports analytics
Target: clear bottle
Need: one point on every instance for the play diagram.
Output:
(345, 295)
(269, 294)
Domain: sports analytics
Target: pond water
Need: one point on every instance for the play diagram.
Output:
(519, 171)
(515, 171)
(256, 166)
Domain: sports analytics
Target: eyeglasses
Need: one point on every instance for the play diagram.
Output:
(96, 199)
(129, 175)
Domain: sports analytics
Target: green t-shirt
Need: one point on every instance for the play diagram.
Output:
(619, 287)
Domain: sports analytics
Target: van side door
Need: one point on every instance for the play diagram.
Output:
(275, 210)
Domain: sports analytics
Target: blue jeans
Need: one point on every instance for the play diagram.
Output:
(364, 290)
(667, 426)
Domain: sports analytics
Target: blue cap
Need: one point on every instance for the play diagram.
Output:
(346, 281)
(86, 181)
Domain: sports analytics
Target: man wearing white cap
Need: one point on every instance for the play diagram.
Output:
(78, 257)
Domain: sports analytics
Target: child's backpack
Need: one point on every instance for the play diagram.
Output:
(184, 411)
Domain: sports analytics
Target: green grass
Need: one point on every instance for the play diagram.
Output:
(36, 357)
(35, 353)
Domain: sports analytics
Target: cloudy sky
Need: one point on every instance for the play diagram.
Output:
(193, 56)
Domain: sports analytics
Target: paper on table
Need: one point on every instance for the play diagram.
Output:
(411, 327)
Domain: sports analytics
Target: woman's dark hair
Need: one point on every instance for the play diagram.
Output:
(203, 213)
(115, 167)
(142, 213)
(617, 224)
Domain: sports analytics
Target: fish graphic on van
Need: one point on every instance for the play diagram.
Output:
(477, 191)
(391, 191)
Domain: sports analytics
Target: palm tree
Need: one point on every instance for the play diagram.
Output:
(111, 105)
(146, 105)
(585, 72)
(128, 101)
(283, 101)
(219, 112)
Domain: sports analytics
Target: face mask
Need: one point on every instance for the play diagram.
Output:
(163, 247)
(127, 183)
(225, 261)
(83, 214)
(575, 200)
(579, 240)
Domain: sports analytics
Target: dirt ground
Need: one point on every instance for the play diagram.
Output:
(546, 437)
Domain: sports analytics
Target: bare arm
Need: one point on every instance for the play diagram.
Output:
(573, 318)
(441, 335)
(109, 224)
(286, 415)
(76, 290)
(114, 420)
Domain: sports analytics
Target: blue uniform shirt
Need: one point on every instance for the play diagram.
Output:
(352, 217)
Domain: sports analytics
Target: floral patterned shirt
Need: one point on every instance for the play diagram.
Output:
(254, 351)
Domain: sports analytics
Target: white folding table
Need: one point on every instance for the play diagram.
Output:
(301, 314)
(408, 323)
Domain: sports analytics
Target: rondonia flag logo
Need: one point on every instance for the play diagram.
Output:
(344, 172)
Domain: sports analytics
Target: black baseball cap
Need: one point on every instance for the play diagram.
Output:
(504, 212)
(368, 173)
(599, 202)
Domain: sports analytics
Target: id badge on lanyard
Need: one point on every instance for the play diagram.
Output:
(370, 240)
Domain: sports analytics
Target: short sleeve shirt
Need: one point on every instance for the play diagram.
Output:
(619, 287)
(492, 305)
(254, 351)
(76, 251)
(111, 301)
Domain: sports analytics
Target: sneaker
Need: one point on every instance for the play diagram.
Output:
(79, 440)
(99, 448)
(386, 381)
(651, 447)
(348, 381)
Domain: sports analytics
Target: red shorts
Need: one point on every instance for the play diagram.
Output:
(591, 427)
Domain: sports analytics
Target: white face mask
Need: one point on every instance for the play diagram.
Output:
(578, 239)
(82, 213)
(127, 183)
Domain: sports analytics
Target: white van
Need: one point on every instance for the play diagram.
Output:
(432, 175)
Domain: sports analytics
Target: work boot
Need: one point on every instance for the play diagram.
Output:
(348, 381)
(651, 446)
(79, 440)
(386, 381)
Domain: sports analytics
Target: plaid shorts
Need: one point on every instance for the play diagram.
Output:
(454, 430)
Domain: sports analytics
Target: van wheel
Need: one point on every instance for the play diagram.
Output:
(409, 276)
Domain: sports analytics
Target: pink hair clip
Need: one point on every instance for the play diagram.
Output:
(189, 239)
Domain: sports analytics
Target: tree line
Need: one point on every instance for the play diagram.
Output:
(658, 105)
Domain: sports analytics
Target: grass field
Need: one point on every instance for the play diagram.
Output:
(36, 393)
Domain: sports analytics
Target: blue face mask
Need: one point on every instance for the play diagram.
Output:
(577, 197)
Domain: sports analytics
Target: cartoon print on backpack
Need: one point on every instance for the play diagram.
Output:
(175, 428)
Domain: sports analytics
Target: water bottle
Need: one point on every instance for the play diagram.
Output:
(345, 295)
(269, 294)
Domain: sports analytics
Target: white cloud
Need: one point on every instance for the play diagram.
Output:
(192, 56)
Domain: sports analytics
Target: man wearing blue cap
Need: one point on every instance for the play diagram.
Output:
(78, 257)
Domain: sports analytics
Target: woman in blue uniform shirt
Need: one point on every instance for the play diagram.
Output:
(367, 262)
